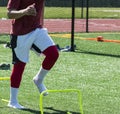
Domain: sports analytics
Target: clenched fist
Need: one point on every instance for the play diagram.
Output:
(31, 10)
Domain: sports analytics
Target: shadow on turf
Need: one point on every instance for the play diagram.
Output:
(99, 54)
(50, 109)
(3, 42)
(58, 111)
(32, 111)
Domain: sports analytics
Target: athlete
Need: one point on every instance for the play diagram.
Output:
(27, 33)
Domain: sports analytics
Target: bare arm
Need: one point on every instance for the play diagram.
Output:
(16, 14)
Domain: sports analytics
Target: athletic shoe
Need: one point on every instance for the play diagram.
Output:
(4, 66)
(41, 87)
(15, 105)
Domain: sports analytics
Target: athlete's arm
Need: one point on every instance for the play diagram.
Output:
(16, 14)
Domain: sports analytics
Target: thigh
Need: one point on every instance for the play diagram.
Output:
(43, 40)
(24, 43)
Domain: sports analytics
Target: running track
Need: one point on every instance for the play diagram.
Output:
(64, 25)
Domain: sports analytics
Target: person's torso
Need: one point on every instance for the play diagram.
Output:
(27, 24)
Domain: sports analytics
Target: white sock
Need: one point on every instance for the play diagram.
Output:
(13, 99)
(40, 75)
(39, 79)
(13, 95)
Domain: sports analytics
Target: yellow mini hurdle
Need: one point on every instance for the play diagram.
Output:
(61, 91)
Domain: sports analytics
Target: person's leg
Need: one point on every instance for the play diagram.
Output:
(16, 77)
(20, 46)
(51, 56)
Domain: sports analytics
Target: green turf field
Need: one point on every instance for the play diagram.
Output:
(65, 12)
(94, 68)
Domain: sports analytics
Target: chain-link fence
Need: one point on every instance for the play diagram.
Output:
(103, 15)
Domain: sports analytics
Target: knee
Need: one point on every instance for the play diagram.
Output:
(52, 55)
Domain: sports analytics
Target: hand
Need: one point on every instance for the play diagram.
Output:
(31, 10)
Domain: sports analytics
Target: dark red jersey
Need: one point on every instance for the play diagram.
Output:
(26, 24)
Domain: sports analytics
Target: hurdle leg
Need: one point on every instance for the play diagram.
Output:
(41, 103)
